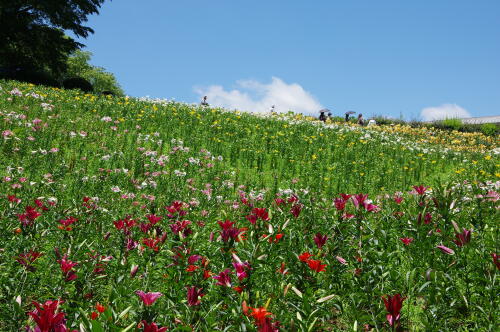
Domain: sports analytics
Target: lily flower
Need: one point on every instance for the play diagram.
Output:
(406, 240)
(194, 295)
(320, 240)
(445, 250)
(316, 265)
(152, 327)
(224, 278)
(462, 238)
(47, 317)
(393, 304)
(148, 298)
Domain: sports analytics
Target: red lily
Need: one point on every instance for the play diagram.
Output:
(151, 243)
(153, 219)
(320, 240)
(462, 238)
(241, 269)
(304, 257)
(316, 265)
(398, 199)
(358, 200)
(194, 295)
(296, 209)
(495, 260)
(67, 268)
(152, 327)
(26, 259)
(393, 304)
(47, 318)
(339, 204)
(420, 190)
(406, 240)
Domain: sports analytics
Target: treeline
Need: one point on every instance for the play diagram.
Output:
(34, 47)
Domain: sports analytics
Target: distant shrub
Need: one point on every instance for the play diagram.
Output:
(78, 83)
(489, 129)
(30, 76)
(454, 124)
(337, 118)
(107, 93)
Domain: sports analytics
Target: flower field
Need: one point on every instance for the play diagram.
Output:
(122, 214)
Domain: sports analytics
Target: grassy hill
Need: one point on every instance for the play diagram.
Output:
(119, 184)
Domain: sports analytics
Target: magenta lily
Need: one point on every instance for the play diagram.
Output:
(241, 269)
(420, 190)
(224, 278)
(148, 298)
(445, 250)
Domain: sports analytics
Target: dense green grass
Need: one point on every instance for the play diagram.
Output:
(104, 159)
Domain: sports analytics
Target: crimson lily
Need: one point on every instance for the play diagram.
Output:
(296, 209)
(393, 304)
(151, 243)
(47, 317)
(153, 219)
(26, 259)
(340, 204)
(495, 260)
(406, 240)
(320, 240)
(462, 238)
(261, 213)
(152, 327)
(194, 295)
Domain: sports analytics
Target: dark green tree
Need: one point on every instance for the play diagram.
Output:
(32, 32)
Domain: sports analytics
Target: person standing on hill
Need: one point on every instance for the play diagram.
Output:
(322, 116)
(204, 101)
(361, 121)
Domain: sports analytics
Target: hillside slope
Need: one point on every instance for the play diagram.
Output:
(137, 211)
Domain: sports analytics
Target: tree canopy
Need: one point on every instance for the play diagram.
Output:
(101, 80)
(32, 32)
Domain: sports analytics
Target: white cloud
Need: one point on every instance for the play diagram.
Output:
(445, 111)
(254, 96)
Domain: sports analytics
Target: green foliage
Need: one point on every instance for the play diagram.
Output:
(489, 129)
(79, 66)
(32, 32)
(454, 124)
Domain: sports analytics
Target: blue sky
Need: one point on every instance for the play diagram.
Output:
(382, 57)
